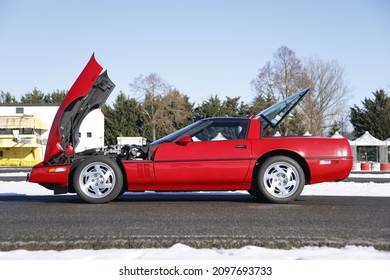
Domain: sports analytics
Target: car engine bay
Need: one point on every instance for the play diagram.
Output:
(125, 152)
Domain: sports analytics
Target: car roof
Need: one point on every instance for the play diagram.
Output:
(226, 119)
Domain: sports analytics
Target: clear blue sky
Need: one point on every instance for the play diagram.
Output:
(201, 47)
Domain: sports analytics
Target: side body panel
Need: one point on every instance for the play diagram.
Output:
(211, 162)
(328, 159)
(139, 172)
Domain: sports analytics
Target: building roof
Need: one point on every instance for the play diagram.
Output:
(337, 135)
(25, 121)
(367, 140)
(31, 105)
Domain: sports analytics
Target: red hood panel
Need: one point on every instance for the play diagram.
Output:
(80, 88)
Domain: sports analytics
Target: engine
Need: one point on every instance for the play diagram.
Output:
(134, 152)
(126, 152)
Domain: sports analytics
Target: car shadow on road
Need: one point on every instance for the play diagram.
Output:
(139, 197)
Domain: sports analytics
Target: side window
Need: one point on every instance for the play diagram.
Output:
(223, 130)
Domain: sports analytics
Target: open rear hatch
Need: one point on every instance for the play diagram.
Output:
(276, 113)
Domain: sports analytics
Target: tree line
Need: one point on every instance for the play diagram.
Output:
(34, 97)
(154, 108)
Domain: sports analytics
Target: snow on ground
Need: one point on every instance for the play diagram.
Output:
(330, 189)
(369, 175)
(183, 252)
(12, 174)
(348, 189)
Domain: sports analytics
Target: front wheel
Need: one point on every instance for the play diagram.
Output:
(280, 179)
(98, 179)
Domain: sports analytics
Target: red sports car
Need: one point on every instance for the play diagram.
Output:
(214, 154)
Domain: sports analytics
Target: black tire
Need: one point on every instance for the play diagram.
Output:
(255, 192)
(280, 179)
(121, 193)
(98, 179)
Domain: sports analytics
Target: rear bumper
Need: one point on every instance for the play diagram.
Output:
(50, 176)
(329, 169)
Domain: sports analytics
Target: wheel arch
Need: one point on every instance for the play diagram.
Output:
(123, 170)
(293, 155)
(77, 162)
(73, 168)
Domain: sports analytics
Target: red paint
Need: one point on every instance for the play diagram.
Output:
(365, 166)
(44, 175)
(79, 89)
(385, 166)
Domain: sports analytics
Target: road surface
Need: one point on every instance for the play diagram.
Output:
(198, 220)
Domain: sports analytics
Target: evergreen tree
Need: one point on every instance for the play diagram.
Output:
(122, 119)
(261, 102)
(55, 97)
(7, 98)
(232, 107)
(34, 97)
(211, 107)
(373, 117)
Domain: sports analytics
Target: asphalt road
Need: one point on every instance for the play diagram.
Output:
(198, 220)
(18, 178)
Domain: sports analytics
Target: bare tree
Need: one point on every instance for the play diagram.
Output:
(175, 112)
(326, 103)
(322, 107)
(153, 88)
(280, 79)
(164, 109)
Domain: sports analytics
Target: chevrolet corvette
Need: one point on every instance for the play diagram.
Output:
(213, 154)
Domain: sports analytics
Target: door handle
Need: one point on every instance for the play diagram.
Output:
(240, 146)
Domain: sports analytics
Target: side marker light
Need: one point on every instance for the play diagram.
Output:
(57, 169)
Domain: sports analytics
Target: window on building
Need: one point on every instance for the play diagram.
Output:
(27, 131)
(19, 110)
(368, 153)
(89, 134)
(1, 153)
(4, 131)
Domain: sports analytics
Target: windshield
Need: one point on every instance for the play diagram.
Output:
(276, 113)
(173, 136)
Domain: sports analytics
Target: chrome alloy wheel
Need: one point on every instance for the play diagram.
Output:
(97, 180)
(281, 179)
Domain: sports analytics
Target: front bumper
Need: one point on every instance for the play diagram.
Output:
(53, 177)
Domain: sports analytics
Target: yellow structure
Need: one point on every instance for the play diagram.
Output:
(20, 140)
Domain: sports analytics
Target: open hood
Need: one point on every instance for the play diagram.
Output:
(89, 92)
(277, 112)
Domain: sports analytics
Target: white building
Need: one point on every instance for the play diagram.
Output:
(34, 122)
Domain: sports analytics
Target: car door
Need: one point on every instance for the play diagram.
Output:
(205, 158)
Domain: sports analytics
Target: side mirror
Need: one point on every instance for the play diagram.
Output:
(184, 140)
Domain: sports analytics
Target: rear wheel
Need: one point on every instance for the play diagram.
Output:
(98, 180)
(280, 179)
